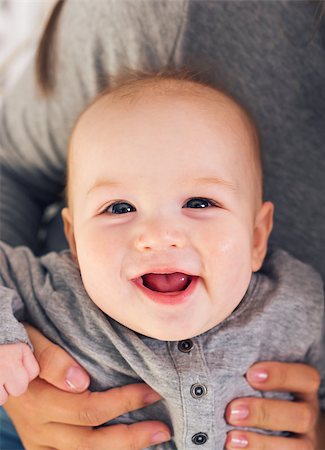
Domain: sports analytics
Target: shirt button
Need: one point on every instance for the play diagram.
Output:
(198, 390)
(185, 346)
(199, 438)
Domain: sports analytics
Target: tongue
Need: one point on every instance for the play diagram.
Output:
(166, 282)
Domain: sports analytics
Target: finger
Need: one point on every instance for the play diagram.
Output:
(3, 395)
(92, 408)
(18, 382)
(30, 363)
(56, 366)
(253, 441)
(299, 379)
(277, 415)
(115, 437)
(136, 436)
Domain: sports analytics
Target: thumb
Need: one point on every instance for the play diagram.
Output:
(56, 366)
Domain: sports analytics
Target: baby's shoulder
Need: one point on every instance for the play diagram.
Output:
(291, 284)
(62, 270)
(291, 273)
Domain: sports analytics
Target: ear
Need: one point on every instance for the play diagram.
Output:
(262, 230)
(68, 231)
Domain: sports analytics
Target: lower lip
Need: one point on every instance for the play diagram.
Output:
(168, 298)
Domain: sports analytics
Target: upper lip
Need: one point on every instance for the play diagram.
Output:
(163, 270)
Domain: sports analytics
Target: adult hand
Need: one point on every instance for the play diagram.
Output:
(57, 412)
(298, 417)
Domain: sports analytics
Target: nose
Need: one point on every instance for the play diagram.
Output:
(159, 235)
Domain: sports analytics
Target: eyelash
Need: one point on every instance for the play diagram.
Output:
(209, 203)
(119, 202)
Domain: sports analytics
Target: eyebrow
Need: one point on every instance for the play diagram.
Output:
(201, 180)
(216, 180)
(103, 183)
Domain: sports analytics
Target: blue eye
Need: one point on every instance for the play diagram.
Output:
(120, 208)
(199, 202)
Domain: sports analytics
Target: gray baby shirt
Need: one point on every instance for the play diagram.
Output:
(280, 318)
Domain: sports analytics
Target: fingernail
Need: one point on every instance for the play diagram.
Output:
(152, 397)
(76, 379)
(239, 441)
(239, 412)
(259, 376)
(160, 436)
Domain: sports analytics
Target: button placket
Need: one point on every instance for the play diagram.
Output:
(200, 438)
(185, 346)
(190, 362)
(198, 390)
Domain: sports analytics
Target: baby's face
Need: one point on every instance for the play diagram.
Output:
(164, 221)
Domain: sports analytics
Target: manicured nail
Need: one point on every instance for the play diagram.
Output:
(238, 441)
(76, 379)
(239, 412)
(259, 376)
(151, 397)
(160, 436)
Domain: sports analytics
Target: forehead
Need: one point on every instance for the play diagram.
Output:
(156, 124)
(170, 104)
(175, 93)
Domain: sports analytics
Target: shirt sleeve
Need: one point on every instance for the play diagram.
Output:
(12, 331)
(21, 278)
(319, 359)
(95, 41)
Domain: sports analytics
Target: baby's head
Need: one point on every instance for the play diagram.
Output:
(165, 216)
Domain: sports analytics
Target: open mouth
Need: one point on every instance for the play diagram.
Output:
(166, 282)
(170, 288)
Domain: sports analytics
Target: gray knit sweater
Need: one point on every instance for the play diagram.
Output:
(280, 318)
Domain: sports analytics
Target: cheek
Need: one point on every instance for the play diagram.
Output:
(100, 254)
(227, 253)
(226, 238)
(100, 242)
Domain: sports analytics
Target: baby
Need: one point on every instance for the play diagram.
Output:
(167, 232)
